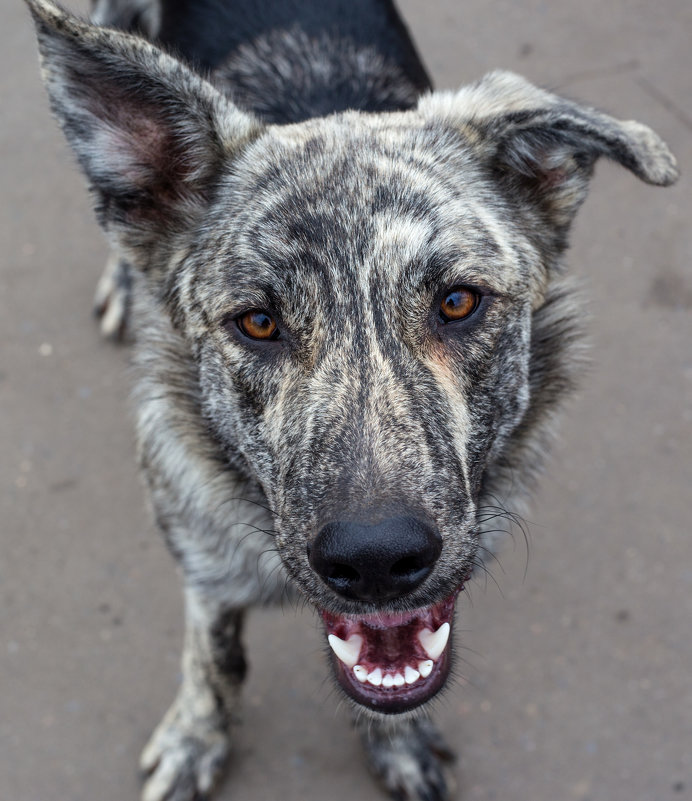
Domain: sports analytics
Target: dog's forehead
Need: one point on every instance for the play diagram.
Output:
(371, 194)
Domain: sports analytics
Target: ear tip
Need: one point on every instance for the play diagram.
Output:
(51, 18)
(671, 175)
(45, 10)
(668, 165)
(657, 165)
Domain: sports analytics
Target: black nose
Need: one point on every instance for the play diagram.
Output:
(377, 562)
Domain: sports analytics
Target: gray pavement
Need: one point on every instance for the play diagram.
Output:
(577, 681)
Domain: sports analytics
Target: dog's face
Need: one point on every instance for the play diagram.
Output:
(358, 294)
(361, 316)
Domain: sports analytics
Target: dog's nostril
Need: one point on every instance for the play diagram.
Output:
(406, 567)
(344, 573)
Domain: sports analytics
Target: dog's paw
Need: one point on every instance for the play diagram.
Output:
(112, 298)
(410, 760)
(184, 757)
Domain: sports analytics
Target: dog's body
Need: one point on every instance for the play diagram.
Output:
(352, 334)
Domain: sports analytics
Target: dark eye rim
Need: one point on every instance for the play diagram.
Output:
(478, 293)
(237, 320)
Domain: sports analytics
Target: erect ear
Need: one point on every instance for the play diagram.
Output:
(150, 134)
(541, 147)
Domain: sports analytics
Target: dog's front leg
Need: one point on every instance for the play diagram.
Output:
(186, 753)
(407, 755)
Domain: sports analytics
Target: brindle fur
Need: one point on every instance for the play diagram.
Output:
(348, 227)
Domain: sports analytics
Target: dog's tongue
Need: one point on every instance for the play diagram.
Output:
(392, 662)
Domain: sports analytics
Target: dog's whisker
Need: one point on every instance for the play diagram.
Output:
(487, 573)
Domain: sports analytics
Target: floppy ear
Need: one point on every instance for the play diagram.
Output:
(542, 148)
(150, 134)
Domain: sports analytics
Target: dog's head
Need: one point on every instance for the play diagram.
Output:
(370, 304)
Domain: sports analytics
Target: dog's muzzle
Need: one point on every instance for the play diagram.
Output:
(389, 662)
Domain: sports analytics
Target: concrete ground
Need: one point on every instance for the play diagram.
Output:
(577, 677)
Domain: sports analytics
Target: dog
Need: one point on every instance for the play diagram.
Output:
(353, 330)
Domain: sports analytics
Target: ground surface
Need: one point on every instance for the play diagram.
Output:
(578, 679)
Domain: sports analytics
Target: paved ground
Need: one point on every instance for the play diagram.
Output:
(577, 683)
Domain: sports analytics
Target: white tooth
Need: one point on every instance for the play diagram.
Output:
(434, 642)
(375, 678)
(399, 680)
(425, 668)
(348, 650)
(411, 675)
(361, 673)
(388, 680)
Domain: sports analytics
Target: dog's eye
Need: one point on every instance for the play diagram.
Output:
(258, 324)
(458, 303)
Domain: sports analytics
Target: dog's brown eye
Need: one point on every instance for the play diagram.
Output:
(258, 324)
(458, 303)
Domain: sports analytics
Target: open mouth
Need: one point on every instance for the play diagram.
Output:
(392, 662)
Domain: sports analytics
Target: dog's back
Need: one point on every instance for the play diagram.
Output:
(285, 60)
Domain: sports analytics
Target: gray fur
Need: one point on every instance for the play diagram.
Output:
(259, 75)
(409, 758)
(347, 228)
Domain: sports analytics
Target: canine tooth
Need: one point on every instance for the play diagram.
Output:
(348, 650)
(411, 675)
(399, 680)
(434, 642)
(361, 673)
(388, 680)
(375, 678)
(425, 668)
